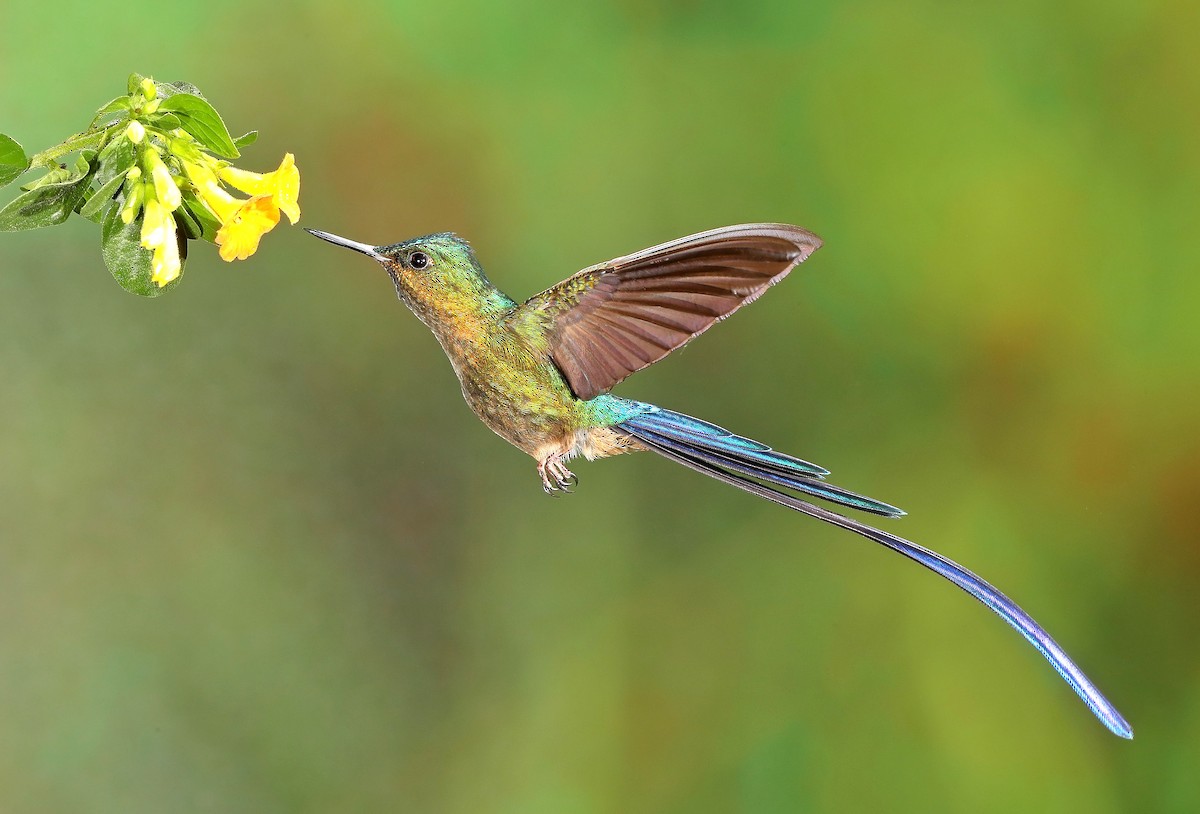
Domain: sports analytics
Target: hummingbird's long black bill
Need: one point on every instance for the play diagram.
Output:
(346, 243)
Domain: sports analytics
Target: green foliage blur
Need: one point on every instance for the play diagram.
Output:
(256, 555)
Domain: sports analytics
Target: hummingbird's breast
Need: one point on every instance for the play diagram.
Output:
(509, 380)
(513, 387)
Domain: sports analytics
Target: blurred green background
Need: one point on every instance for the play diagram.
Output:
(257, 556)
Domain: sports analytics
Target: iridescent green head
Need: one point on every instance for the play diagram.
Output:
(437, 276)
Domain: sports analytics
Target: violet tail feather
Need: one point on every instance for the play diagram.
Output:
(743, 463)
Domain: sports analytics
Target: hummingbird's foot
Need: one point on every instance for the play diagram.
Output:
(555, 475)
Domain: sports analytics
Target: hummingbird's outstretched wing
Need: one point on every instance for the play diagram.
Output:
(615, 318)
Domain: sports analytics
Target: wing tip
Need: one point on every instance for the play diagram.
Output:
(807, 242)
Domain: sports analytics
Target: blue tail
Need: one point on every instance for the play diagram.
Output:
(741, 462)
(719, 447)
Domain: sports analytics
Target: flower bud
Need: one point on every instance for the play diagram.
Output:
(165, 188)
(135, 132)
(133, 202)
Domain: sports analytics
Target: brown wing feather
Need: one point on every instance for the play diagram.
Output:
(614, 319)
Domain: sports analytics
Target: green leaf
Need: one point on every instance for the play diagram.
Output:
(115, 159)
(129, 263)
(167, 89)
(135, 83)
(58, 175)
(13, 160)
(246, 140)
(115, 108)
(45, 205)
(79, 141)
(188, 223)
(201, 120)
(166, 122)
(96, 203)
(209, 225)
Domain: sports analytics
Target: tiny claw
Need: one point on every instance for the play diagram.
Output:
(556, 477)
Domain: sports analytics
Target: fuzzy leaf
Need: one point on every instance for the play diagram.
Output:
(165, 121)
(127, 261)
(100, 198)
(58, 175)
(246, 139)
(13, 160)
(167, 89)
(115, 159)
(45, 205)
(188, 224)
(201, 119)
(115, 109)
(209, 225)
(80, 141)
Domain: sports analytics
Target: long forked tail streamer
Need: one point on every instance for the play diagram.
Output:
(719, 447)
(661, 436)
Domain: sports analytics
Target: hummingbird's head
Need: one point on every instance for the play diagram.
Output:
(437, 276)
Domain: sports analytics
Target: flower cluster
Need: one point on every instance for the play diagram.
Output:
(243, 222)
(154, 169)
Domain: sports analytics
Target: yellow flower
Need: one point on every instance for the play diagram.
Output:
(135, 132)
(166, 266)
(158, 234)
(156, 223)
(283, 185)
(222, 204)
(243, 223)
(239, 236)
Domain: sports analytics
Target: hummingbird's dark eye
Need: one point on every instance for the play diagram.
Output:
(418, 260)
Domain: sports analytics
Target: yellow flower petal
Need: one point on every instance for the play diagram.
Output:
(222, 204)
(283, 185)
(157, 225)
(158, 233)
(165, 188)
(243, 180)
(239, 236)
(166, 265)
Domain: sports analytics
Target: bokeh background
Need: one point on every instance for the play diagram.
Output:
(257, 556)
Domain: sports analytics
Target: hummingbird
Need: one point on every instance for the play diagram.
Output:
(538, 373)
